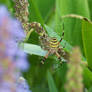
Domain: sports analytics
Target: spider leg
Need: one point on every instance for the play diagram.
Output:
(63, 53)
(45, 57)
(62, 34)
(59, 57)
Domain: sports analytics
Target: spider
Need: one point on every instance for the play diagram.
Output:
(43, 37)
(51, 44)
(54, 48)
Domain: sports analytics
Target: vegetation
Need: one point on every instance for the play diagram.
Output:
(55, 16)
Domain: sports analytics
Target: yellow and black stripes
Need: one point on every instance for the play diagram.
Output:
(53, 43)
(38, 28)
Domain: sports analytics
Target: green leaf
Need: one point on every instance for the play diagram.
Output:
(87, 75)
(39, 89)
(35, 14)
(72, 27)
(32, 49)
(90, 89)
(90, 7)
(44, 10)
(87, 41)
(52, 87)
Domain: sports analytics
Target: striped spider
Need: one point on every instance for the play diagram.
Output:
(51, 44)
(54, 48)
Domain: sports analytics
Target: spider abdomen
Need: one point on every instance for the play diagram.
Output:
(53, 43)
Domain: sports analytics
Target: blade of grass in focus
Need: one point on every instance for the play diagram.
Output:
(87, 41)
(87, 76)
(51, 84)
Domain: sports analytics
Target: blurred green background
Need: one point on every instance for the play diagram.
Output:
(51, 77)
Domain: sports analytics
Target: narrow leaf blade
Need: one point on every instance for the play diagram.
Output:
(52, 87)
(87, 40)
(32, 49)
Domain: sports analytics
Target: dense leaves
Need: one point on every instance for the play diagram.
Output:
(50, 77)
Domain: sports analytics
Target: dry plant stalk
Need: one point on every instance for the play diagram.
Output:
(74, 73)
(21, 12)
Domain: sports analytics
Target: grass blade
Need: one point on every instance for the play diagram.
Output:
(52, 87)
(87, 41)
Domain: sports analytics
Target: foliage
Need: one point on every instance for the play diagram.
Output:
(51, 76)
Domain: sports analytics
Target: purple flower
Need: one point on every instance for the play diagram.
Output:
(11, 33)
(21, 61)
(12, 58)
(22, 85)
